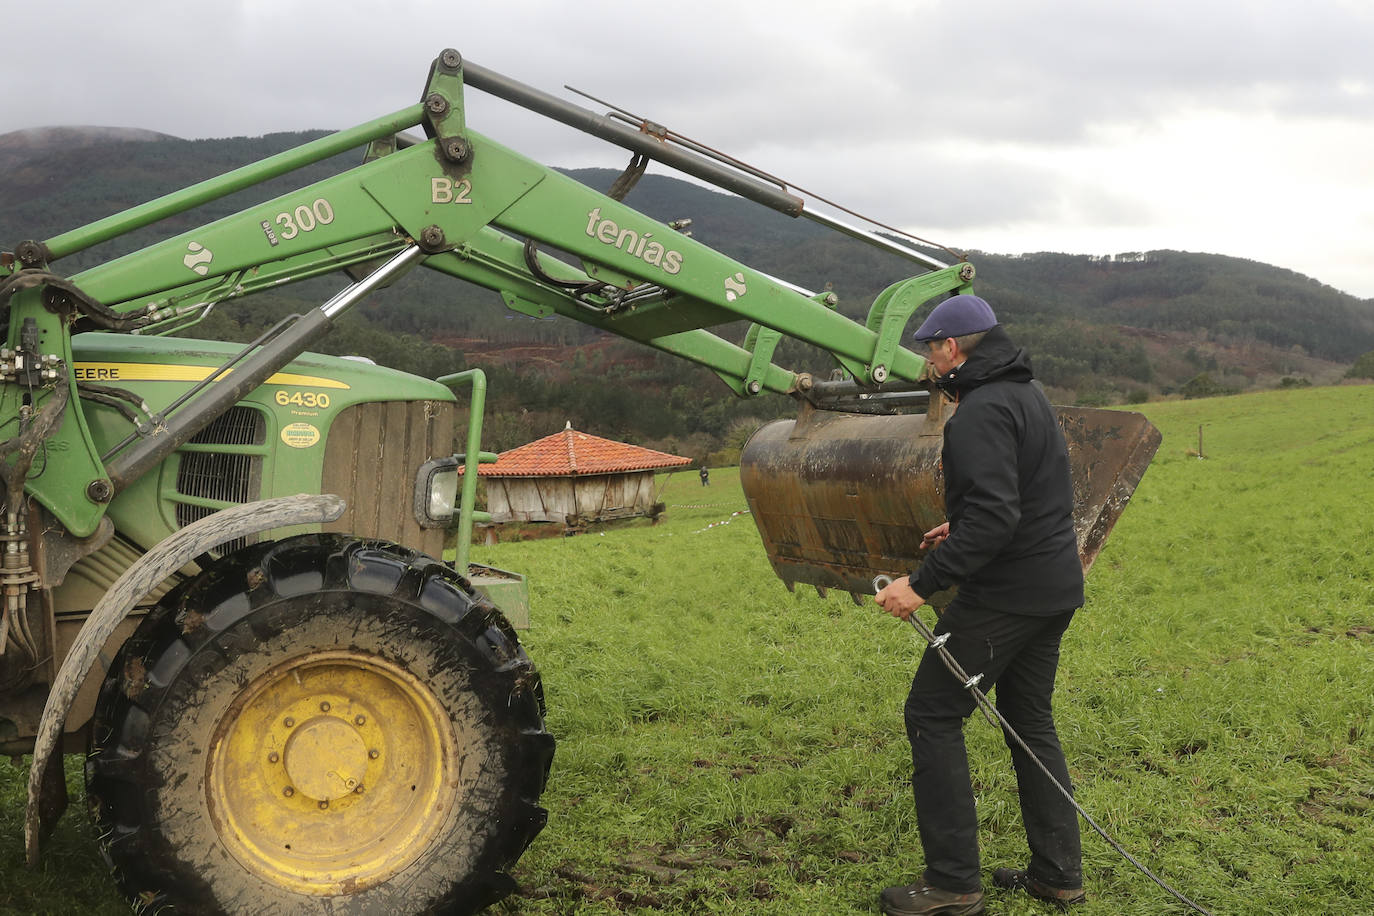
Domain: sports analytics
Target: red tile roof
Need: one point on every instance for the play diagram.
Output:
(571, 453)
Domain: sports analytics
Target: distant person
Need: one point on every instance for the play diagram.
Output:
(1009, 545)
(705, 476)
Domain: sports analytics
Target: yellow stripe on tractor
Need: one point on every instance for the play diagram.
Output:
(166, 372)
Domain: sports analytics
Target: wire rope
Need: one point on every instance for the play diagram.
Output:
(990, 711)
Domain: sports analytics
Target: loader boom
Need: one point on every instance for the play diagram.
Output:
(467, 203)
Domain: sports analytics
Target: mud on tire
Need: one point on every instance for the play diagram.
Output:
(319, 725)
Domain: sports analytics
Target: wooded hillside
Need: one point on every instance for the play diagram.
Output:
(1101, 329)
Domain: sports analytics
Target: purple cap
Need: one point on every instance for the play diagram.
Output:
(955, 317)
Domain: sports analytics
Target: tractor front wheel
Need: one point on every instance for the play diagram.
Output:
(320, 725)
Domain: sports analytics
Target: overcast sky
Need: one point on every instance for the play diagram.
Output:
(1239, 127)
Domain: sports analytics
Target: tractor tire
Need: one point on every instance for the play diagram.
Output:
(319, 725)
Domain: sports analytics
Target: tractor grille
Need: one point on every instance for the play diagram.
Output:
(237, 426)
(223, 477)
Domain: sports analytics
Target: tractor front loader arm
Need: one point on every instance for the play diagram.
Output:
(473, 209)
(639, 279)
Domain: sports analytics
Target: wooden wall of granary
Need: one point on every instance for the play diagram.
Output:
(570, 499)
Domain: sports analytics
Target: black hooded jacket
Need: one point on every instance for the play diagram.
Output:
(1008, 492)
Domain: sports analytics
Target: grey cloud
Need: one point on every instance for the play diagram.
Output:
(1045, 72)
(867, 101)
(1038, 72)
(960, 194)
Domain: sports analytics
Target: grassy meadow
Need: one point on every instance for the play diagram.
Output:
(728, 747)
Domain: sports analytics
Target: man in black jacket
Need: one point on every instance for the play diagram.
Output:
(1009, 545)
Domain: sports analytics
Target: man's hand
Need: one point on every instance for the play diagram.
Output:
(935, 536)
(898, 599)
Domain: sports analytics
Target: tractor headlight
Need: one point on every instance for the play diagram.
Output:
(436, 493)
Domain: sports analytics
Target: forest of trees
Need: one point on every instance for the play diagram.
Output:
(1101, 329)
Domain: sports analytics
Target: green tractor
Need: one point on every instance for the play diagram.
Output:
(223, 575)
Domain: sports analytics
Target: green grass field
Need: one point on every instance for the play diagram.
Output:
(728, 747)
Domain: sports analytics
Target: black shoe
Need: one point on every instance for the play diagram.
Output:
(923, 900)
(1018, 880)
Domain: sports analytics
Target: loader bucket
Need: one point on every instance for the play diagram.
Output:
(840, 498)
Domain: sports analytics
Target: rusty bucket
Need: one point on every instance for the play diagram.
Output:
(840, 497)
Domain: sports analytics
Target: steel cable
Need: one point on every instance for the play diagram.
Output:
(990, 710)
(995, 717)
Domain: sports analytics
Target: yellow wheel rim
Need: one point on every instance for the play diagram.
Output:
(332, 773)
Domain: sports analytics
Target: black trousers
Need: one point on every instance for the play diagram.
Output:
(1019, 654)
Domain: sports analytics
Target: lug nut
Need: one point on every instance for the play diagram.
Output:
(289, 722)
(324, 707)
(359, 790)
(374, 754)
(273, 757)
(360, 720)
(323, 805)
(288, 791)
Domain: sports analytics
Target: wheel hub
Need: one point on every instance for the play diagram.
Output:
(325, 758)
(332, 772)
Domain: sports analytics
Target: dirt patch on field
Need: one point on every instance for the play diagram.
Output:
(672, 879)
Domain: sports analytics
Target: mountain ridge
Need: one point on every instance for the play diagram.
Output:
(1102, 329)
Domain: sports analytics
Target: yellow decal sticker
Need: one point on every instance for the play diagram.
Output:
(309, 399)
(159, 372)
(300, 435)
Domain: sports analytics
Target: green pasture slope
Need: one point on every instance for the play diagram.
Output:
(727, 747)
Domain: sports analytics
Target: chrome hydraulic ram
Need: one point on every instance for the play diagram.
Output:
(224, 389)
